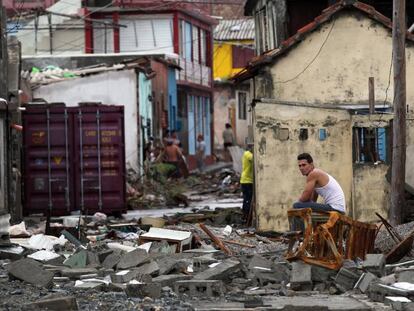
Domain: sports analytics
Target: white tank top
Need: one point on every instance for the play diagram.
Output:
(332, 194)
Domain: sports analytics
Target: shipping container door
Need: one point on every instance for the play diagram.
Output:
(47, 162)
(100, 165)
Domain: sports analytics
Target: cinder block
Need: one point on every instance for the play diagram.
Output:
(301, 276)
(374, 263)
(365, 281)
(170, 279)
(199, 288)
(345, 279)
(143, 290)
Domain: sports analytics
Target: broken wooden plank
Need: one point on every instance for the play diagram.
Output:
(215, 239)
(400, 250)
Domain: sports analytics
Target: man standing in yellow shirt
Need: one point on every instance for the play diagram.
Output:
(246, 179)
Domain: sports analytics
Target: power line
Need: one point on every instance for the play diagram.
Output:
(313, 59)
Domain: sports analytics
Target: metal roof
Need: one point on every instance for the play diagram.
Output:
(235, 29)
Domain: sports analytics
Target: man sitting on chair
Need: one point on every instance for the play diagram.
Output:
(320, 183)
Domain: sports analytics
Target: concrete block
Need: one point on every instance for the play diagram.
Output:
(301, 276)
(220, 272)
(132, 259)
(365, 281)
(30, 271)
(321, 274)
(346, 279)
(111, 260)
(142, 290)
(170, 279)
(199, 288)
(375, 263)
(55, 303)
(77, 260)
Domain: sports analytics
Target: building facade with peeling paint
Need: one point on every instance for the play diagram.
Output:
(312, 96)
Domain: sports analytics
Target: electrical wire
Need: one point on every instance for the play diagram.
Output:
(313, 59)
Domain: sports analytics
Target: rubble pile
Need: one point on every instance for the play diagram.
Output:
(160, 191)
(185, 266)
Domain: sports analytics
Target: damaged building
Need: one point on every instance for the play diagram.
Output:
(311, 95)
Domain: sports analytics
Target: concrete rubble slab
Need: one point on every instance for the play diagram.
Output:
(404, 274)
(199, 288)
(11, 252)
(91, 284)
(175, 262)
(316, 303)
(112, 260)
(120, 247)
(222, 271)
(378, 292)
(76, 273)
(170, 279)
(301, 276)
(132, 259)
(55, 303)
(397, 303)
(48, 257)
(30, 271)
(150, 268)
(77, 260)
(125, 276)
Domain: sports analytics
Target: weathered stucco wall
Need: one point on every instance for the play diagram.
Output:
(277, 174)
(339, 58)
(357, 48)
(371, 192)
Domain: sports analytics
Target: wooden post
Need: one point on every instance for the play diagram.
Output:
(399, 122)
(49, 19)
(371, 88)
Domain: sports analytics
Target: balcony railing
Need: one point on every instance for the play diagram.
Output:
(194, 73)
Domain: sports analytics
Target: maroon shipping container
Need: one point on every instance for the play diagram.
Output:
(74, 159)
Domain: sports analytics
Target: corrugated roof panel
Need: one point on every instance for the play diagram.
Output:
(235, 29)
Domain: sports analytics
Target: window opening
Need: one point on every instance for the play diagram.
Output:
(370, 145)
(303, 134)
(242, 105)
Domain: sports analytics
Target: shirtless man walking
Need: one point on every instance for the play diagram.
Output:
(320, 183)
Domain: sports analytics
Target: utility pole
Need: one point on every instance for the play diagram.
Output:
(399, 123)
